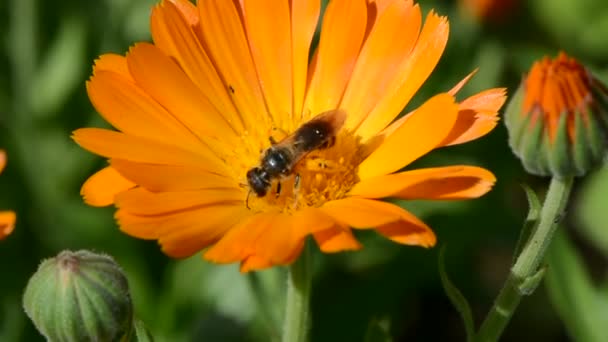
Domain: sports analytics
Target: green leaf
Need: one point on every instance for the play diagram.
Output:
(577, 301)
(456, 297)
(62, 69)
(379, 330)
(531, 220)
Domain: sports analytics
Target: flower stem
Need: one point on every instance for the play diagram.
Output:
(295, 326)
(263, 302)
(525, 273)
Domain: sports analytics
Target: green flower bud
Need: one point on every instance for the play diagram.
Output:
(79, 296)
(558, 119)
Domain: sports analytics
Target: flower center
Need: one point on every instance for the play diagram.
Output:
(320, 176)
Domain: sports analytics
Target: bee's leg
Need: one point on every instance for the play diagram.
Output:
(278, 193)
(329, 143)
(296, 182)
(276, 134)
(247, 199)
(296, 189)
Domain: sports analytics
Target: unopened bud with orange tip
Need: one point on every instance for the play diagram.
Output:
(79, 296)
(558, 119)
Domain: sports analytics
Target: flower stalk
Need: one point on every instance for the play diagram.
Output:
(525, 273)
(297, 311)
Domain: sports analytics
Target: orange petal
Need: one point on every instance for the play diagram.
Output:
(269, 34)
(254, 263)
(410, 76)
(441, 183)
(409, 233)
(388, 219)
(226, 43)
(274, 238)
(140, 201)
(158, 177)
(197, 236)
(125, 106)
(173, 35)
(341, 38)
(188, 11)
(311, 220)
(7, 223)
(114, 63)
(477, 116)
(118, 145)
(337, 240)
(381, 5)
(279, 241)
(362, 213)
(464, 115)
(304, 18)
(239, 242)
(389, 43)
(282, 244)
(162, 78)
(295, 253)
(183, 233)
(455, 89)
(101, 188)
(423, 131)
(2, 160)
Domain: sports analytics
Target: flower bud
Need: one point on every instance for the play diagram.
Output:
(79, 296)
(557, 119)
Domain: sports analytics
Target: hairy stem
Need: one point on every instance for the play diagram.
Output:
(525, 273)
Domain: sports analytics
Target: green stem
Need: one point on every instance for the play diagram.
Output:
(525, 271)
(263, 302)
(295, 326)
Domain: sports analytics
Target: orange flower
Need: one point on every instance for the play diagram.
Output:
(489, 10)
(196, 110)
(7, 218)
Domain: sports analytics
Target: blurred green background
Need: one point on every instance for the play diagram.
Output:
(46, 52)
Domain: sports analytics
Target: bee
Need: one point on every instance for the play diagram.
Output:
(280, 159)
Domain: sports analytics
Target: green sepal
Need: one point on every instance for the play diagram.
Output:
(141, 332)
(557, 150)
(529, 284)
(515, 121)
(456, 297)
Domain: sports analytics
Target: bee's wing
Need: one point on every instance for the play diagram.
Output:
(293, 142)
(335, 118)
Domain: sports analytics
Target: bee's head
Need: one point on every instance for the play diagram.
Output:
(259, 181)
